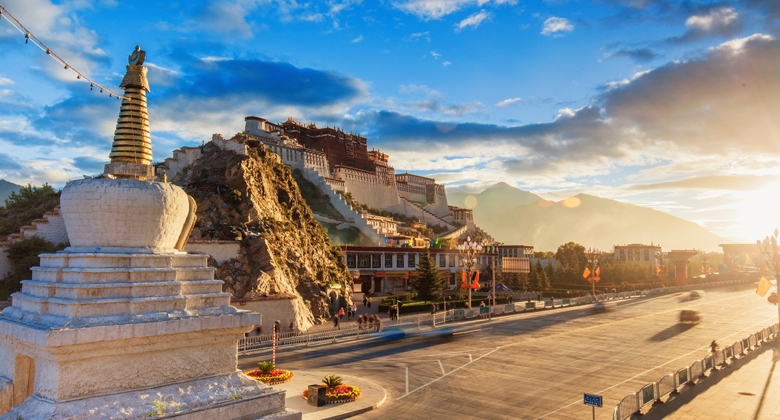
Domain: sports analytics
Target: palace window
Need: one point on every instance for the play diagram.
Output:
(451, 260)
(350, 261)
(399, 261)
(376, 261)
(442, 260)
(388, 260)
(412, 260)
(364, 261)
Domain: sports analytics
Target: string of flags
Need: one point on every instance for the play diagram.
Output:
(28, 36)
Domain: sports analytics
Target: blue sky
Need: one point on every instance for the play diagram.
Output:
(672, 105)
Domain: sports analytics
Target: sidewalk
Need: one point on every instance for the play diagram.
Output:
(748, 389)
(372, 396)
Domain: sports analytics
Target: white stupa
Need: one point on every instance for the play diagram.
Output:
(123, 324)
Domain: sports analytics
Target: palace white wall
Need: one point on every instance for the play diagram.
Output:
(221, 251)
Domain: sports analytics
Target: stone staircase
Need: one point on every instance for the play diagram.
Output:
(72, 289)
(50, 227)
(423, 214)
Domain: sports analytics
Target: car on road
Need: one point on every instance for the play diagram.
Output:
(604, 307)
(690, 315)
(692, 295)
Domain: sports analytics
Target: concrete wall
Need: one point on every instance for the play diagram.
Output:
(275, 309)
(221, 251)
(52, 229)
(368, 188)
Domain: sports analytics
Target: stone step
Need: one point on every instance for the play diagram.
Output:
(98, 260)
(119, 290)
(88, 275)
(100, 307)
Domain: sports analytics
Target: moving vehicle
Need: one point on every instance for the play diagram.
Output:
(690, 315)
(604, 307)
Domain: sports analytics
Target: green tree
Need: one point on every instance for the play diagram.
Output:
(533, 276)
(572, 256)
(559, 276)
(27, 196)
(428, 283)
(544, 281)
(549, 270)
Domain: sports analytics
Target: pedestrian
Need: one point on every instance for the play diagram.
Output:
(365, 319)
(354, 309)
(481, 305)
(539, 296)
(336, 323)
(714, 346)
(349, 313)
(341, 314)
(292, 326)
(376, 319)
(433, 308)
(360, 321)
(365, 300)
(369, 301)
(393, 312)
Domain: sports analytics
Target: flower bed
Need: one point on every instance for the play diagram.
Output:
(277, 376)
(339, 394)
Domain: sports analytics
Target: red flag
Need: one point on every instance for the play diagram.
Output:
(476, 277)
(598, 271)
(465, 278)
(456, 240)
(657, 270)
(586, 273)
(391, 241)
(709, 270)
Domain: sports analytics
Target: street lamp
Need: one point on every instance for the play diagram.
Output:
(469, 250)
(771, 251)
(593, 255)
(660, 269)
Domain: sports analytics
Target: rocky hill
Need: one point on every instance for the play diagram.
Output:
(254, 199)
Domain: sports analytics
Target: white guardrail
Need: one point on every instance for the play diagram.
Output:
(672, 383)
(351, 331)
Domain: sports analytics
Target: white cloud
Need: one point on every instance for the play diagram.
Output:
(474, 20)
(716, 18)
(446, 63)
(735, 46)
(6, 81)
(436, 9)
(435, 55)
(413, 88)
(420, 35)
(358, 39)
(507, 102)
(554, 25)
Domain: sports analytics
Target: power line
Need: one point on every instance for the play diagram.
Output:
(28, 36)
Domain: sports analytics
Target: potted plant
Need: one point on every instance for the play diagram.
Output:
(267, 373)
(336, 391)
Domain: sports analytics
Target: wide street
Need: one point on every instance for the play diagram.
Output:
(538, 364)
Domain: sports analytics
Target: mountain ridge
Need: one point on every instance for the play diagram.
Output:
(586, 219)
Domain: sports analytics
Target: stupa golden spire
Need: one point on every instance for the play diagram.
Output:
(132, 142)
(131, 151)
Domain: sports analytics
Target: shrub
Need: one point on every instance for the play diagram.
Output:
(27, 196)
(332, 381)
(266, 367)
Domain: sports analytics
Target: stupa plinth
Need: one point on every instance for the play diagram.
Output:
(122, 324)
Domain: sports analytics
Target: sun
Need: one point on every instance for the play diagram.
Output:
(759, 213)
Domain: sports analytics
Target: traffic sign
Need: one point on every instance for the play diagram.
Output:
(594, 400)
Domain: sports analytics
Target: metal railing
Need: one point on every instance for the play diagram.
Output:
(654, 391)
(326, 333)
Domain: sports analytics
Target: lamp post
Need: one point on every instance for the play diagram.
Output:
(468, 251)
(771, 251)
(660, 270)
(593, 255)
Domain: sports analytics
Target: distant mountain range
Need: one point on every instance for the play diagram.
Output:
(6, 188)
(514, 216)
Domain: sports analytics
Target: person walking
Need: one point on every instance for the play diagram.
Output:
(360, 321)
(433, 308)
(336, 323)
(714, 346)
(354, 309)
(481, 305)
(365, 300)
(369, 301)
(341, 314)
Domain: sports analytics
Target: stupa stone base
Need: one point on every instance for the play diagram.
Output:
(228, 397)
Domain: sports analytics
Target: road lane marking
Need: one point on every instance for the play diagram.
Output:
(442, 368)
(445, 375)
(579, 401)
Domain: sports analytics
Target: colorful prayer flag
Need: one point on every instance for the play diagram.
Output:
(598, 271)
(763, 286)
(465, 278)
(586, 273)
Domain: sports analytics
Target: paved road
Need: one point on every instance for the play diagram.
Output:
(537, 365)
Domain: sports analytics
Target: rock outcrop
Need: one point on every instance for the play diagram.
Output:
(254, 199)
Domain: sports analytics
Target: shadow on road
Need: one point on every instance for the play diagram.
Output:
(688, 393)
(671, 332)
